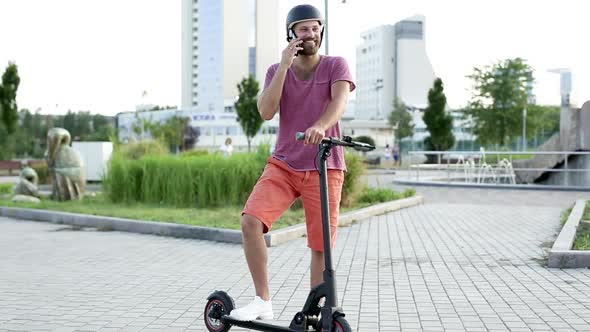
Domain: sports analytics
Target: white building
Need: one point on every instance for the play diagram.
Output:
(392, 62)
(211, 128)
(219, 37)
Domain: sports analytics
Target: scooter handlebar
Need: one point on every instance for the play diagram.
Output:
(344, 141)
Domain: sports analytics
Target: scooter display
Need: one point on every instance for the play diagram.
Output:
(313, 316)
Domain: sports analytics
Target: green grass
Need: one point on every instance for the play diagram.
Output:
(583, 234)
(6, 188)
(565, 214)
(220, 217)
(379, 195)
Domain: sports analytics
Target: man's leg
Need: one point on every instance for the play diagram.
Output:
(317, 268)
(256, 255)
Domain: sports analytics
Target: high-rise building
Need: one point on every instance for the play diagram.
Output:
(392, 63)
(219, 39)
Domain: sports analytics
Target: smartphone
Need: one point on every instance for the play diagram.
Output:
(293, 36)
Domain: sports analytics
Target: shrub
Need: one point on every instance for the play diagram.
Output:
(194, 153)
(352, 185)
(379, 195)
(263, 152)
(206, 181)
(136, 150)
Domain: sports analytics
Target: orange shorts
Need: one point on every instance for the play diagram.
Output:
(279, 186)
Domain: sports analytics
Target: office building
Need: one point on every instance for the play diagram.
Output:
(392, 63)
(224, 41)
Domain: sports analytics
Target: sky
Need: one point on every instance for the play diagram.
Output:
(100, 56)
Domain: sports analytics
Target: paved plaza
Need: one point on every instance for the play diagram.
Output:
(466, 260)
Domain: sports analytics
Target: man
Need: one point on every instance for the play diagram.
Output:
(310, 91)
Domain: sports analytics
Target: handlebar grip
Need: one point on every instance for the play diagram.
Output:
(300, 136)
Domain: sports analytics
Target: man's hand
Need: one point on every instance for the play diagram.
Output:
(289, 53)
(314, 135)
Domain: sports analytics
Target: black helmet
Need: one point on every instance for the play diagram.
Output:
(303, 13)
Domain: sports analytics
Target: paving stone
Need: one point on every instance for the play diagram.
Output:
(467, 260)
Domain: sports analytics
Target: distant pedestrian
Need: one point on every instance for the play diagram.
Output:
(395, 152)
(387, 153)
(227, 148)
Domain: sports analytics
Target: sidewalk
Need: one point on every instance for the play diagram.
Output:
(467, 260)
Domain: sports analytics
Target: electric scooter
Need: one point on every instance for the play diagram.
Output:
(328, 317)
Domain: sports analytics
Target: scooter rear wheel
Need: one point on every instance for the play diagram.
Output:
(218, 305)
(339, 324)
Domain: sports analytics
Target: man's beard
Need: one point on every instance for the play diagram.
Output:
(309, 49)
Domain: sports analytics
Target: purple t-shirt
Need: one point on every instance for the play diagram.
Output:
(302, 104)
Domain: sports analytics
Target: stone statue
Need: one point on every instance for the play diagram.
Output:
(26, 189)
(27, 183)
(65, 166)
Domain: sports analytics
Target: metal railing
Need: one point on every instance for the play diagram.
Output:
(475, 167)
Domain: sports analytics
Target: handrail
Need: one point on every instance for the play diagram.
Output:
(474, 167)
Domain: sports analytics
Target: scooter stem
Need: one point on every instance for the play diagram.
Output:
(329, 274)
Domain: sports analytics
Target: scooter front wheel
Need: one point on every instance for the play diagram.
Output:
(339, 324)
(218, 305)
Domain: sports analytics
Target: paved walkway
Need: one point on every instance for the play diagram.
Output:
(467, 260)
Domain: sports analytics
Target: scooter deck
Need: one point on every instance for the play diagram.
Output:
(256, 325)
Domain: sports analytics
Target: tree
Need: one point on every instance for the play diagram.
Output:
(438, 122)
(8, 88)
(247, 109)
(171, 132)
(542, 121)
(500, 94)
(401, 120)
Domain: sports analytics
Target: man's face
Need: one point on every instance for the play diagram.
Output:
(310, 33)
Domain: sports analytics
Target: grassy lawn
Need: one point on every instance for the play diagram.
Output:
(583, 235)
(222, 217)
(6, 188)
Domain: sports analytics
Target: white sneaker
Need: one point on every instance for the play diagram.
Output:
(257, 309)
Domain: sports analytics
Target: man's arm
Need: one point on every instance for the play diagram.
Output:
(269, 100)
(337, 106)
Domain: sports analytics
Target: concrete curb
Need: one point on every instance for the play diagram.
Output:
(561, 254)
(273, 238)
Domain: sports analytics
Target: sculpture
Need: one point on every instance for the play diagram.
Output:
(27, 183)
(65, 166)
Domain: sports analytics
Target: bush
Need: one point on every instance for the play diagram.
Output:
(203, 181)
(136, 150)
(194, 153)
(379, 195)
(263, 152)
(206, 181)
(352, 185)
